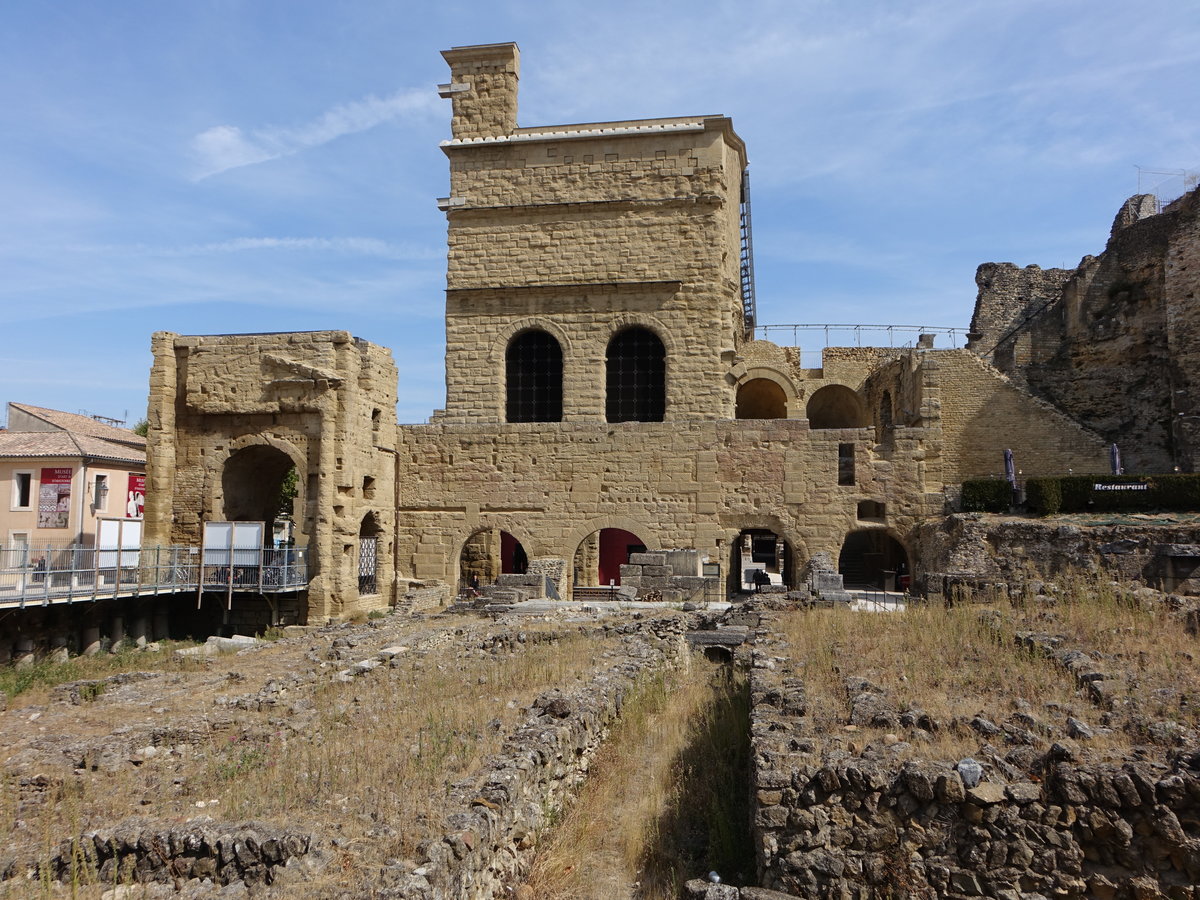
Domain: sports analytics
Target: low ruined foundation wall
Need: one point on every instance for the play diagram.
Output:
(974, 549)
(839, 824)
(493, 818)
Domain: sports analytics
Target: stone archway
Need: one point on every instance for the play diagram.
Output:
(761, 398)
(761, 550)
(835, 406)
(252, 486)
(600, 555)
(873, 558)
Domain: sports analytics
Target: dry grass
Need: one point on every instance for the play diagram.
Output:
(665, 798)
(1127, 635)
(959, 662)
(370, 767)
(947, 662)
(31, 685)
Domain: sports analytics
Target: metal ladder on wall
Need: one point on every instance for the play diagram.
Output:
(749, 313)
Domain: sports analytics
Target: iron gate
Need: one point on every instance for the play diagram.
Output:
(367, 554)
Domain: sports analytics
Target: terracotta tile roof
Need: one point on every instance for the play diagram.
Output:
(81, 425)
(44, 444)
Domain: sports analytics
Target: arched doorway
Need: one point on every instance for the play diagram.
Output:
(259, 484)
(835, 406)
(760, 553)
(872, 558)
(489, 553)
(600, 555)
(761, 398)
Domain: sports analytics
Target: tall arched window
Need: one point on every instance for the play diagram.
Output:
(637, 383)
(533, 368)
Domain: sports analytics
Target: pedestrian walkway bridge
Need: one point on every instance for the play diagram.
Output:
(55, 575)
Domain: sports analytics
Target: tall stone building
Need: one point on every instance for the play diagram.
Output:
(604, 390)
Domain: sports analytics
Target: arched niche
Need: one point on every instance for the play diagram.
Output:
(761, 398)
(600, 555)
(835, 406)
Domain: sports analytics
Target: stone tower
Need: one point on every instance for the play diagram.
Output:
(587, 261)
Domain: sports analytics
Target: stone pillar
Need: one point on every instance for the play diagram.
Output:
(24, 654)
(483, 89)
(59, 652)
(89, 640)
(162, 620)
(116, 632)
(139, 628)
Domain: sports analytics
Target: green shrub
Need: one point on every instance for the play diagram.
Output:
(1078, 493)
(986, 495)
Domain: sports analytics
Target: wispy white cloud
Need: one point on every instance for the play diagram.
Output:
(225, 147)
(350, 246)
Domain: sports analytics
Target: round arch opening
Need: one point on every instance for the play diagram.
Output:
(872, 558)
(761, 398)
(489, 553)
(835, 406)
(600, 555)
(259, 484)
(761, 557)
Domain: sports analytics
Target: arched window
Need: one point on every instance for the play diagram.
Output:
(533, 367)
(637, 367)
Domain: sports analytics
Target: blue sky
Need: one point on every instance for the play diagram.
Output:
(225, 166)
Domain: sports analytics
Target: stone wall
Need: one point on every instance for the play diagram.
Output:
(324, 402)
(1008, 298)
(996, 550)
(687, 485)
(873, 824)
(1116, 347)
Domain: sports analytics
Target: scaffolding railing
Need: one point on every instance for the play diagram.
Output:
(813, 339)
(50, 574)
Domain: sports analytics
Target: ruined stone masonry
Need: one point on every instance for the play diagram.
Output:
(604, 394)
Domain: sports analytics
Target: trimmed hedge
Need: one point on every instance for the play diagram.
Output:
(1078, 493)
(987, 495)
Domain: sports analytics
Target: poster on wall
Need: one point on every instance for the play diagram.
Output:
(135, 504)
(54, 498)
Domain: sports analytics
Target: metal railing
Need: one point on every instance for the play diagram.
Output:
(45, 575)
(813, 339)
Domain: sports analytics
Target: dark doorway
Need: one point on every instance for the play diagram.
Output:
(872, 558)
(758, 554)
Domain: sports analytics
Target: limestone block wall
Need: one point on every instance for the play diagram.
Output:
(997, 551)
(983, 413)
(1116, 348)
(676, 485)
(582, 230)
(321, 401)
